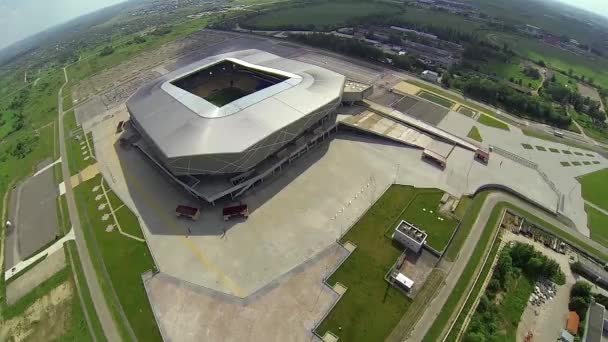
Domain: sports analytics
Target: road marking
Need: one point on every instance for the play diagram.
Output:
(200, 256)
(47, 167)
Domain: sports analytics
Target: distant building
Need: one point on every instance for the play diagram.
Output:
(532, 30)
(430, 75)
(414, 32)
(410, 236)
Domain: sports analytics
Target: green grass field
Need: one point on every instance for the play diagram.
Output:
(76, 145)
(541, 148)
(594, 188)
(598, 223)
(435, 99)
(110, 253)
(527, 146)
(370, 308)
(586, 163)
(423, 213)
(466, 111)
(554, 150)
(492, 122)
(564, 163)
(225, 96)
(319, 15)
(566, 152)
(513, 305)
(578, 153)
(596, 132)
(466, 278)
(575, 163)
(474, 134)
(508, 71)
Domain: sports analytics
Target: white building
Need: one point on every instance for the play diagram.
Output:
(410, 236)
(430, 76)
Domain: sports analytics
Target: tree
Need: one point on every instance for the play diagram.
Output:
(504, 267)
(581, 289)
(534, 266)
(541, 63)
(107, 50)
(580, 305)
(570, 72)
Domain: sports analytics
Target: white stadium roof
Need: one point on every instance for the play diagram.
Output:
(182, 124)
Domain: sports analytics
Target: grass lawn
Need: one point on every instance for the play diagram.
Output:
(76, 145)
(423, 213)
(435, 99)
(466, 278)
(466, 111)
(564, 163)
(554, 150)
(594, 188)
(566, 152)
(578, 153)
(319, 15)
(492, 122)
(416, 309)
(527, 146)
(587, 163)
(598, 223)
(513, 70)
(225, 96)
(119, 261)
(575, 163)
(128, 221)
(541, 148)
(466, 224)
(474, 134)
(370, 308)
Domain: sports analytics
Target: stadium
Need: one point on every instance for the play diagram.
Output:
(221, 124)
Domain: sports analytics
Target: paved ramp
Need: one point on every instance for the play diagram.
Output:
(394, 130)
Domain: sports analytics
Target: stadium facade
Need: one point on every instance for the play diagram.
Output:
(227, 113)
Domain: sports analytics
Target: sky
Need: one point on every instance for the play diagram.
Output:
(20, 19)
(597, 6)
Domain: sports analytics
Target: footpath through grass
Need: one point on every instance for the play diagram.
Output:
(492, 122)
(595, 187)
(474, 134)
(119, 261)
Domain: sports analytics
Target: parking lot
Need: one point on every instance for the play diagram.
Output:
(33, 215)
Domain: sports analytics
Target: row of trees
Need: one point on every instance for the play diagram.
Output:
(519, 260)
(580, 298)
(565, 96)
(356, 48)
(500, 94)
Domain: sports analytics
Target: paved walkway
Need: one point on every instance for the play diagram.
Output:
(50, 250)
(470, 244)
(99, 301)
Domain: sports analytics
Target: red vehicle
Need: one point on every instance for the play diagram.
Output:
(189, 212)
(239, 210)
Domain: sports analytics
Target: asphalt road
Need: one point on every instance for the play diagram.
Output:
(437, 304)
(99, 302)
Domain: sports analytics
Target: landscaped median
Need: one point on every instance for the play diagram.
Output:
(119, 261)
(79, 145)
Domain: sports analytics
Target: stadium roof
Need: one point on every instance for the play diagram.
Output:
(183, 124)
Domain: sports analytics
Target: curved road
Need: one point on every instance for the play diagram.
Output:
(99, 302)
(436, 305)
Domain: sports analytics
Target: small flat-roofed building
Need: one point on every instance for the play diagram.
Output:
(403, 281)
(572, 323)
(565, 336)
(435, 158)
(430, 75)
(356, 91)
(410, 236)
